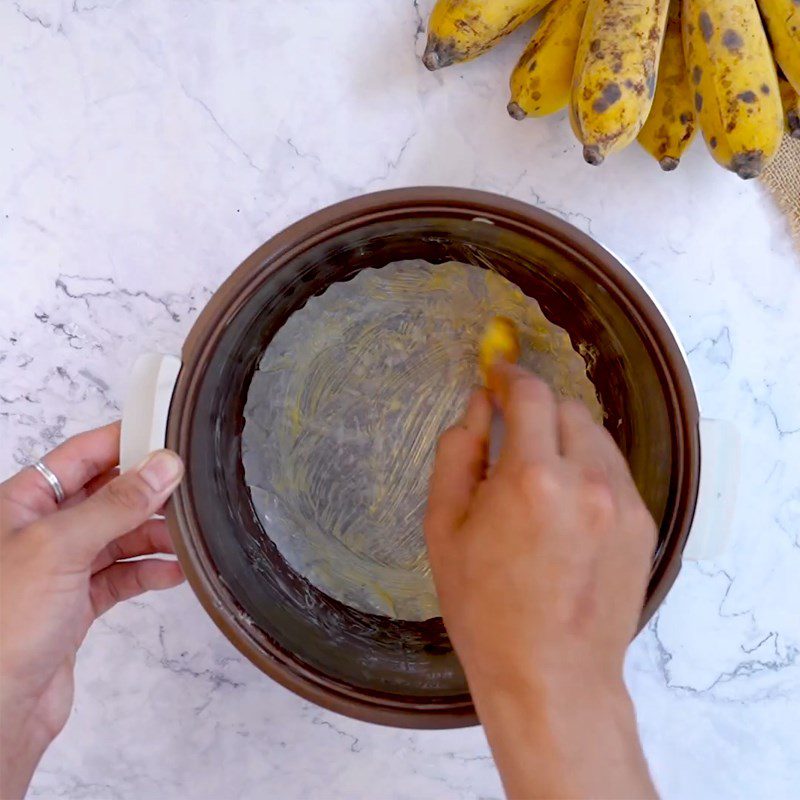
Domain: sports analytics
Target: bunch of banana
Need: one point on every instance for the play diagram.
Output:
(652, 70)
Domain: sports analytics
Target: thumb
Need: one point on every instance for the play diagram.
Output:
(119, 506)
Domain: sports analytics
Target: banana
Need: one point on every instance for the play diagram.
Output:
(671, 126)
(783, 25)
(736, 93)
(500, 342)
(615, 73)
(791, 108)
(459, 30)
(541, 81)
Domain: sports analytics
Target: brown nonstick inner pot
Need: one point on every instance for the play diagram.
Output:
(368, 666)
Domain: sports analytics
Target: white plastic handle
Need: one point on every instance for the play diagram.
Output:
(146, 408)
(719, 482)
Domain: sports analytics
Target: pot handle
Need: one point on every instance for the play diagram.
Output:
(146, 407)
(719, 482)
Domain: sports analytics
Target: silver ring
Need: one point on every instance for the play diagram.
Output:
(52, 479)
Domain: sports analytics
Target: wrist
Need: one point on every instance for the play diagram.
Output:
(22, 743)
(547, 702)
(547, 687)
(564, 735)
(19, 756)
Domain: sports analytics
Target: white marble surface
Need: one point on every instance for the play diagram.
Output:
(146, 147)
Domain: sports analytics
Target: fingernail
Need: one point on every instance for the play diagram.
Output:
(161, 470)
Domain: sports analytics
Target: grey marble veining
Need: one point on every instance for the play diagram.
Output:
(147, 147)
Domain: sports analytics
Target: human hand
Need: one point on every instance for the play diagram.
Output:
(62, 566)
(541, 567)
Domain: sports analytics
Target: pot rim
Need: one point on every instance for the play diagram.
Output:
(271, 256)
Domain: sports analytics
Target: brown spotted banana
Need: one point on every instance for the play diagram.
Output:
(782, 18)
(791, 108)
(615, 73)
(541, 82)
(671, 125)
(734, 83)
(459, 30)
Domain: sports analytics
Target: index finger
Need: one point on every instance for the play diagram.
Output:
(75, 462)
(530, 414)
(458, 467)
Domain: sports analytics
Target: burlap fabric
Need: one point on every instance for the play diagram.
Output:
(782, 179)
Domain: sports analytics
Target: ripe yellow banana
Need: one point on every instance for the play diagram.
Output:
(615, 73)
(500, 342)
(783, 24)
(459, 30)
(541, 81)
(791, 108)
(736, 93)
(671, 126)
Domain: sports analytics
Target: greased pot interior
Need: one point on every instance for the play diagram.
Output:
(367, 666)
